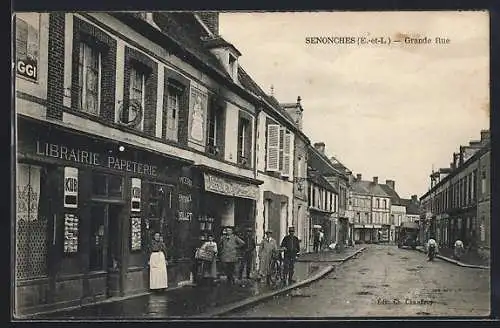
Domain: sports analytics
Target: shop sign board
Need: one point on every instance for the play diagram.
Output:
(227, 187)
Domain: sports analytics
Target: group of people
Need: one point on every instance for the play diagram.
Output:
(233, 249)
(458, 248)
(319, 240)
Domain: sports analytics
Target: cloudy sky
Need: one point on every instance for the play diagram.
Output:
(391, 111)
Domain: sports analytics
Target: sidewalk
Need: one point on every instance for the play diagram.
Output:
(202, 301)
(469, 260)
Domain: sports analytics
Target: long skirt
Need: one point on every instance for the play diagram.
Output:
(157, 271)
(209, 269)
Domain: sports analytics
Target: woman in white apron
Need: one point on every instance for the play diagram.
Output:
(158, 264)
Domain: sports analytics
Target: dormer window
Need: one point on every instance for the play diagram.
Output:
(148, 17)
(233, 67)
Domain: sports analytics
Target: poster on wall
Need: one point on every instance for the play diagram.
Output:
(197, 116)
(70, 187)
(135, 205)
(70, 233)
(136, 234)
(27, 45)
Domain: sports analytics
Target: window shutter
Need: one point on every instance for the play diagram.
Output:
(273, 146)
(287, 151)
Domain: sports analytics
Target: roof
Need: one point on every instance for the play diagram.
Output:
(318, 179)
(218, 41)
(186, 30)
(368, 188)
(411, 206)
(395, 200)
(321, 163)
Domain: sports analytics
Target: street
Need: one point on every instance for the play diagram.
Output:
(385, 281)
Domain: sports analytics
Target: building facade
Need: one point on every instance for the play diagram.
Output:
(300, 205)
(371, 209)
(457, 206)
(130, 124)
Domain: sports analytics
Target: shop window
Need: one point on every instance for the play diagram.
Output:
(105, 185)
(27, 45)
(89, 79)
(31, 219)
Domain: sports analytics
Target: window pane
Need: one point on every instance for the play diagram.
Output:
(115, 186)
(99, 184)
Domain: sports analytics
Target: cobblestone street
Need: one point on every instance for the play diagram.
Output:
(382, 276)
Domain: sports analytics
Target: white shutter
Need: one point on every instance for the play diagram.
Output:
(286, 154)
(273, 147)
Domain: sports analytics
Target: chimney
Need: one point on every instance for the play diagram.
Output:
(358, 177)
(320, 146)
(375, 180)
(211, 20)
(391, 183)
(485, 135)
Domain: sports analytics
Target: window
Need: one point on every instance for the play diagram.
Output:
(474, 186)
(385, 203)
(392, 219)
(281, 149)
(309, 195)
(378, 203)
(367, 216)
(483, 182)
(31, 221)
(233, 67)
(105, 185)
(171, 112)
(137, 91)
(89, 79)
(27, 45)
(244, 142)
(357, 217)
(332, 208)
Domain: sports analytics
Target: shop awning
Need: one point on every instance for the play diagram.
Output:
(228, 187)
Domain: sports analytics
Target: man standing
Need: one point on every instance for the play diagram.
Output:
(459, 249)
(316, 241)
(247, 253)
(291, 245)
(229, 252)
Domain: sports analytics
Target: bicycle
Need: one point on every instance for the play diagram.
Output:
(275, 273)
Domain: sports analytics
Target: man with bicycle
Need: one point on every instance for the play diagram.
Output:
(291, 245)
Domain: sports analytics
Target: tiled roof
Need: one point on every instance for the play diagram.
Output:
(317, 178)
(321, 163)
(186, 31)
(288, 105)
(395, 200)
(368, 188)
(411, 206)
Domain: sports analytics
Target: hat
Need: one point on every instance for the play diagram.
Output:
(291, 228)
(269, 231)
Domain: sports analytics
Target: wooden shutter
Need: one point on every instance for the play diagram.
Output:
(286, 153)
(273, 147)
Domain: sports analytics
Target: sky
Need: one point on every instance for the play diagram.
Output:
(392, 111)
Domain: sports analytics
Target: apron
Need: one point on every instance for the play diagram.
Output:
(157, 271)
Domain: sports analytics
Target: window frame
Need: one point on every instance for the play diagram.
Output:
(144, 75)
(82, 75)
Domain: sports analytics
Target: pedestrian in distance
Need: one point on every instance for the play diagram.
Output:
(229, 245)
(267, 250)
(432, 248)
(158, 279)
(459, 249)
(316, 240)
(321, 239)
(247, 254)
(291, 245)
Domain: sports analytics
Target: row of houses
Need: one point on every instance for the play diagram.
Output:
(457, 205)
(135, 123)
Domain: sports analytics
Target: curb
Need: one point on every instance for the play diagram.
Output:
(256, 299)
(461, 264)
